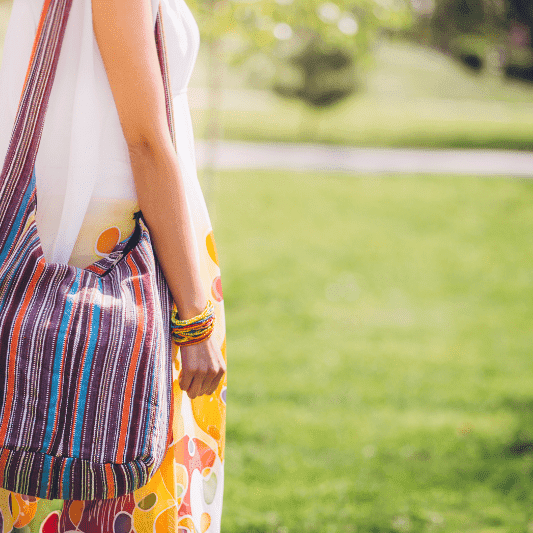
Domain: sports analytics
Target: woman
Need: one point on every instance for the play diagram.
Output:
(106, 152)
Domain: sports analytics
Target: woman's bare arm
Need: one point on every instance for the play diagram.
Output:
(124, 31)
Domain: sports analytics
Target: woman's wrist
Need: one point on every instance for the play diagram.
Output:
(186, 332)
(191, 309)
(190, 301)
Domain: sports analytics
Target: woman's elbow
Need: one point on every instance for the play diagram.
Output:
(148, 147)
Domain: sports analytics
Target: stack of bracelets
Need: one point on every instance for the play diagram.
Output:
(194, 330)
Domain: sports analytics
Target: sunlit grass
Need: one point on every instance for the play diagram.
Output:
(379, 340)
(367, 121)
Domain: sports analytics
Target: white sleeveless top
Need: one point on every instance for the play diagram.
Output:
(83, 150)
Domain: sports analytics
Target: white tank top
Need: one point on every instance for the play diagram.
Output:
(83, 150)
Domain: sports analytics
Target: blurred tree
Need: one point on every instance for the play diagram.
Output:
(473, 30)
(306, 49)
(519, 48)
(458, 27)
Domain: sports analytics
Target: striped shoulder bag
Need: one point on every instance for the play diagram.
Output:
(85, 354)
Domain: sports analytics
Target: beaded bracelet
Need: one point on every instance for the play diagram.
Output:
(193, 330)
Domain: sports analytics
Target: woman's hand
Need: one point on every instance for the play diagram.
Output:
(202, 368)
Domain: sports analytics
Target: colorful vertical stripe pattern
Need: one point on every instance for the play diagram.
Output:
(85, 354)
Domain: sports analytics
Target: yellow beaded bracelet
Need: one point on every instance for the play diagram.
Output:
(193, 330)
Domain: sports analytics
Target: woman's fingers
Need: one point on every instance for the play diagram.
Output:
(211, 382)
(216, 380)
(199, 383)
(218, 370)
(185, 379)
(205, 389)
(202, 368)
(194, 389)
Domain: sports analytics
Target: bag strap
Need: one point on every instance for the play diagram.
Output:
(17, 171)
(163, 63)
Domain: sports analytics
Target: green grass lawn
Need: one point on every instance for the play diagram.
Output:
(367, 121)
(380, 352)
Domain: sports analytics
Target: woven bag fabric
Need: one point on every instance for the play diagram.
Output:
(85, 354)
